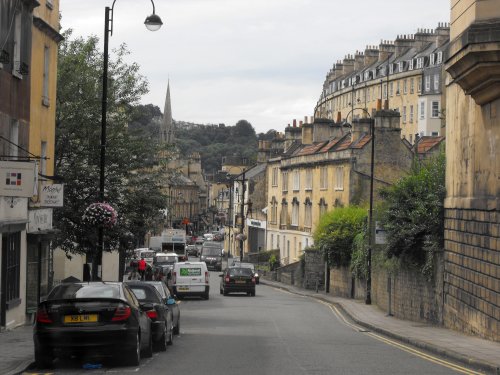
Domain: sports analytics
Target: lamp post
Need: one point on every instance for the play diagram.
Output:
(153, 23)
(368, 297)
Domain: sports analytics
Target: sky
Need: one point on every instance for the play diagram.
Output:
(263, 61)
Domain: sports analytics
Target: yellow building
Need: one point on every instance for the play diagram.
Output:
(408, 73)
(328, 166)
(43, 80)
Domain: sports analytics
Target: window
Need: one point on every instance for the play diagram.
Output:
(323, 207)
(284, 213)
(420, 63)
(46, 62)
(16, 67)
(296, 180)
(439, 57)
(339, 178)
(436, 82)
(410, 64)
(284, 181)
(277, 241)
(272, 241)
(432, 58)
(422, 110)
(11, 255)
(295, 212)
(405, 86)
(427, 83)
(400, 66)
(412, 86)
(323, 177)
(308, 214)
(435, 134)
(274, 178)
(419, 85)
(385, 91)
(411, 114)
(435, 109)
(50, 4)
(391, 87)
(391, 68)
(309, 179)
(274, 210)
(404, 114)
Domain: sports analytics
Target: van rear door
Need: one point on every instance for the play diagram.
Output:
(190, 277)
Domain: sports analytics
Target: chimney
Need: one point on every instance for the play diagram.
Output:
(423, 37)
(348, 65)
(338, 69)
(385, 50)
(359, 61)
(370, 55)
(442, 33)
(294, 123)
(403, 43)
(359, 127)
(305, 120)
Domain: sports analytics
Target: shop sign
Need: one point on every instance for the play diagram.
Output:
(17, 179)
(40, 220)
(52, 195)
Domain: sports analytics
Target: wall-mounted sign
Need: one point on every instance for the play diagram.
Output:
(52, 195)
(256, 223)
(17, 179)
(40, 220)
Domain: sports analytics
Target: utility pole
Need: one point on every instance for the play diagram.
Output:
(242, 214)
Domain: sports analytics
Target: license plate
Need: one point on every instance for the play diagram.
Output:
(240, 281)
(83, 318)
(183, 288)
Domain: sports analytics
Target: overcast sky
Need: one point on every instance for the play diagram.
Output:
(259, 60)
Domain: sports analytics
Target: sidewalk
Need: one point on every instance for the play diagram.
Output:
(468, 350)
(16, 352)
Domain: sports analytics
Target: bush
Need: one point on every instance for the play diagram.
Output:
(336, 231)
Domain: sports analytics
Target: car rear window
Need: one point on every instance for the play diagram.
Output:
(240, 272)
(190, 271)
(72, 291)
(211, 251)
(166, 258)
(144, 294)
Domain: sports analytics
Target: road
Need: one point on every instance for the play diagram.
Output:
(275, 332)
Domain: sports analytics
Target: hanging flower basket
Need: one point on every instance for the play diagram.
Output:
(100, 214)
(241, 237)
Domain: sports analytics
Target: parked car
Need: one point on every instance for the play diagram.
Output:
(191, 279)
(92, 318)
(237, 280)
(166, 295)
(211, 254)
(159, 312)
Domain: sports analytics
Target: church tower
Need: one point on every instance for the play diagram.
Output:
(167, 127)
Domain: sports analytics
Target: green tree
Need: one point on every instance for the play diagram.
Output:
(131, 188)
(414, 218)
(336, 231)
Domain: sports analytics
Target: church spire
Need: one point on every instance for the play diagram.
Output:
(167, 130)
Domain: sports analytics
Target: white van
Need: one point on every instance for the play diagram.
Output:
(191, 279)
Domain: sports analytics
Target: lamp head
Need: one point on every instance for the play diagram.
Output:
(153, 22)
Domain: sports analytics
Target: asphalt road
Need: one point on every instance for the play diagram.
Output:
(273, 333)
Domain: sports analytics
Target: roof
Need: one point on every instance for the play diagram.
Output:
(427, 143)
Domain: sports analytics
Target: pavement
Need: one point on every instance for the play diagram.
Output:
(480, 354)
(16, 345)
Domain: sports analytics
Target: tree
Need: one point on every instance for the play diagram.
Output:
(414, 219)
(336, 231)
(132, 184)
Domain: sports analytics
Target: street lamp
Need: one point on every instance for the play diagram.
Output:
(153, 23)
(368, 297)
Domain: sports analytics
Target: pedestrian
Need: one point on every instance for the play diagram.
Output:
(142, 268)
(148, 274)
(134, 264)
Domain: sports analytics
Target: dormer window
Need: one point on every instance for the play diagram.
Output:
(433, 58)
(410, 64)
(374, 73)
(420, 63)
(391, 68)
(439, 57)
(400, 66)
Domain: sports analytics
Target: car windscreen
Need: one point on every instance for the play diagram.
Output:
(166, 258)
(72, 291)
(145, 294)
(240, 272)
(211, 251)
(247, 265)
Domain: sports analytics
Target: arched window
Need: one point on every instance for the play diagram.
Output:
(295, 212)
(323, 207)
(308, 213)
(274, 210)
(284, 213)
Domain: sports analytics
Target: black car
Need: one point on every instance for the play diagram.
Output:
(237, 280)
(92, 318)
(211, 254)
(158, 311)
(168, 298)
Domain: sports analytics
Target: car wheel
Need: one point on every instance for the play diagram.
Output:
(43, 358)
(148, 352)
(171, 337)
(220, 290)
(177, 328)
(133, 356)
(225, 292)
(206, 296)
(252, 293)
(162, 344)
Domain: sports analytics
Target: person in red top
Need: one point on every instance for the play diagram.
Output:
(142, 267)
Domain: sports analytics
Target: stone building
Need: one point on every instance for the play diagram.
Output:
(325, 165)
(472, 221)
(407, 72)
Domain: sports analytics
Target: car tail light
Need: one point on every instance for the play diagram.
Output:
(207, 277)
(227, 279)
(174, 276)
(42, 316)
(152, 314)
(122, 313)
(253, 280)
